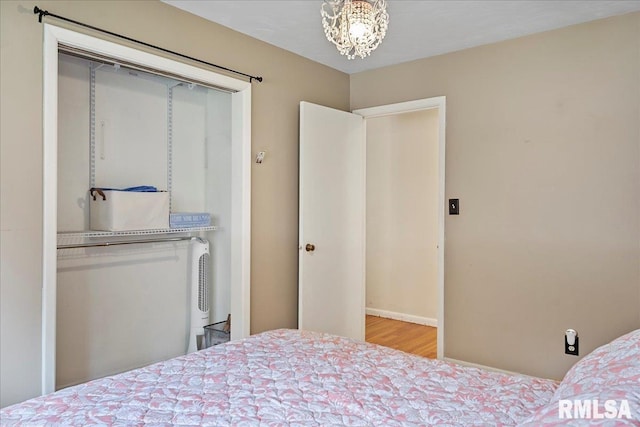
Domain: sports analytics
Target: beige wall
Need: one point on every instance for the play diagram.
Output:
(402, 213)
(288, 79)
(543, 151)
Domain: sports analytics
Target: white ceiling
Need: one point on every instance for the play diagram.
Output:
(417, 28)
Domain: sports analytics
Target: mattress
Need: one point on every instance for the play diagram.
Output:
(293, 378)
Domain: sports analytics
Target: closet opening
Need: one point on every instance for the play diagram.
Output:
(119, 117)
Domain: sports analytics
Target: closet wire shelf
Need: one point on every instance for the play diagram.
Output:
(70, 240)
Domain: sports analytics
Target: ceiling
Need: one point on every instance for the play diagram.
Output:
(417, 28)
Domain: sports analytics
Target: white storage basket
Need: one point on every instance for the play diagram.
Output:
(114, 210)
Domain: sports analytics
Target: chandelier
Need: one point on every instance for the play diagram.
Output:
(356, 27)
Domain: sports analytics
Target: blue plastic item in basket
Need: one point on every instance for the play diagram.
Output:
(138, 189)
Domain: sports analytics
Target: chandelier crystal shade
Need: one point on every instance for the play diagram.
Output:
(356, 27)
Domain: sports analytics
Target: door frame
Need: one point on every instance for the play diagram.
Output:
(240, 191)
(438, 102)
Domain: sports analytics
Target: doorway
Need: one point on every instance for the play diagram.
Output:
(405, 225)
(332, 214)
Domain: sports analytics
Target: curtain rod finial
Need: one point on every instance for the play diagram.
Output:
(40, 13)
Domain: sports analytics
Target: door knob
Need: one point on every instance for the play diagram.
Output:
(310, 247)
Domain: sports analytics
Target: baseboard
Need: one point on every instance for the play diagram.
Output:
(484, 367)
(402, 316)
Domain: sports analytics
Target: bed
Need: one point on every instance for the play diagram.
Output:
(300, 378)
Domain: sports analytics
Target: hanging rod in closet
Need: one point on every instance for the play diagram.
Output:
(41, 13)
(124, 242)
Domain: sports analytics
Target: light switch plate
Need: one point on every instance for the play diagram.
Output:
(454, 206)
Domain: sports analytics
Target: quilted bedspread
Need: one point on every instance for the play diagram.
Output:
(292, 378)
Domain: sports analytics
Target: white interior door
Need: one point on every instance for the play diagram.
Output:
(332, 221)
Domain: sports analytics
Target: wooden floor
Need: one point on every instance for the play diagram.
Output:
(408, 337)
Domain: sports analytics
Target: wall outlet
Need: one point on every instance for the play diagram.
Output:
(571, 349)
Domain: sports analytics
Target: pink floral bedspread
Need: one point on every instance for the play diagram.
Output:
(611, 373)
(292, 378)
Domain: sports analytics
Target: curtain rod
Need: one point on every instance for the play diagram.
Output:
(41, 13)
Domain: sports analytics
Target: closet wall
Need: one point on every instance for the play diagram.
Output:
(126, 306)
